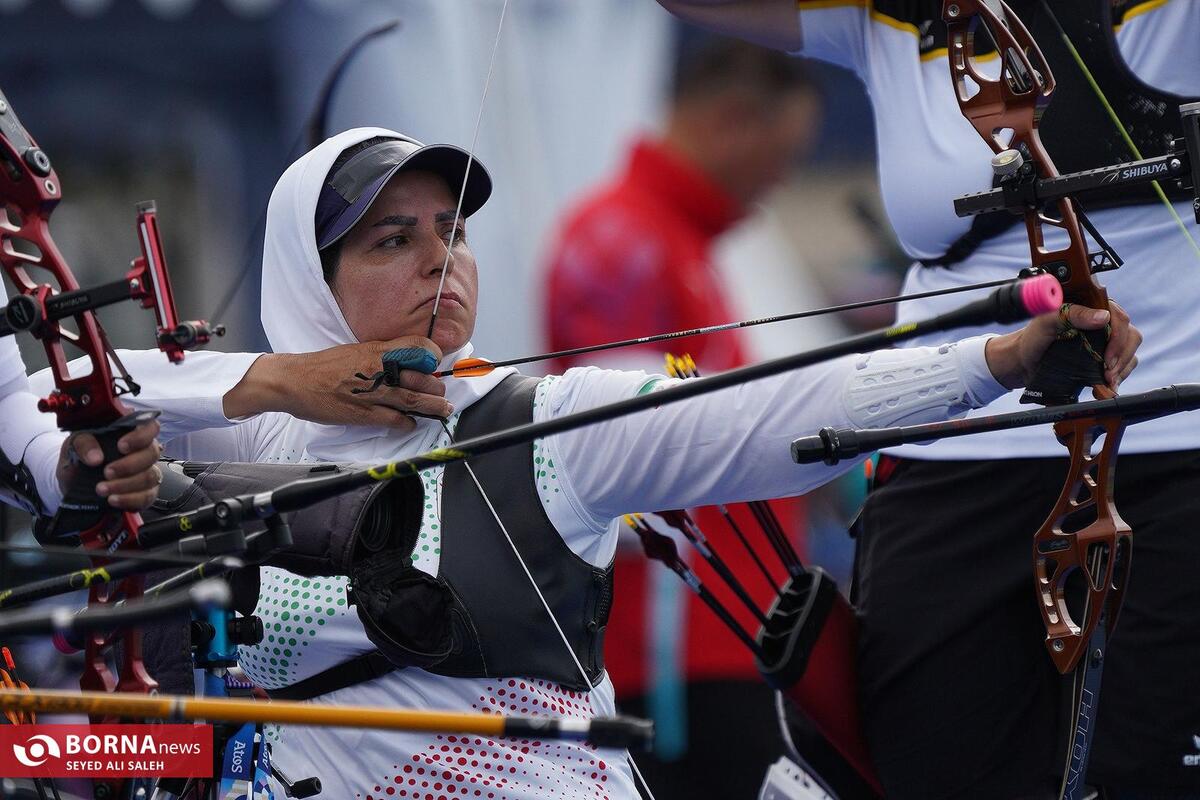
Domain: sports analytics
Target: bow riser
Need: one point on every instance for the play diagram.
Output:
(1012, 104)
(1099, 550)
(1019, 94)
(87, 400)
(80, 402)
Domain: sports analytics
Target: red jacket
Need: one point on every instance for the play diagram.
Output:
(631, 259)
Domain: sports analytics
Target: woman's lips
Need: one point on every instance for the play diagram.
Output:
(447, 298)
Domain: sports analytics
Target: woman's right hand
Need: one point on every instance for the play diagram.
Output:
(317, 387)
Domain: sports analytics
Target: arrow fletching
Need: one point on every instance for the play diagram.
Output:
(467, 368)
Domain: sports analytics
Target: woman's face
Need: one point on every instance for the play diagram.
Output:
(391, 264)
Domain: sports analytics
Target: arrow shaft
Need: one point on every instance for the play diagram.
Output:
(195, 709)
(725, 326)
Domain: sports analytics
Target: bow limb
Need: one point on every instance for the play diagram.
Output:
(313, 132)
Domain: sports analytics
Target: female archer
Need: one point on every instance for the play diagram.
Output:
(363, 239)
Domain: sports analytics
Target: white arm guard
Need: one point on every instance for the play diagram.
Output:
(916, 385)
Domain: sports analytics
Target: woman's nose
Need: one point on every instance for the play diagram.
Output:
(439, 256)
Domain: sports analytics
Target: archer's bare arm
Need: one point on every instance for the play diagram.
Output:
(771, 23)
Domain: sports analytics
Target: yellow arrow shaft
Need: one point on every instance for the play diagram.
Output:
(177, 707)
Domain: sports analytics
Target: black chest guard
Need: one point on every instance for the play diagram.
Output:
(480, 617)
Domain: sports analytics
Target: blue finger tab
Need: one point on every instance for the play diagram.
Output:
(417, 359)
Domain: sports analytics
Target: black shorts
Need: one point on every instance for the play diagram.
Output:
(959, 695)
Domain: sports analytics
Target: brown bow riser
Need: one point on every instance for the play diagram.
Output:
(1012, 104)
(1099, 550)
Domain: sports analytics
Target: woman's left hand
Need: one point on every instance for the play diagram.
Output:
(131, 481)
(1012, 358)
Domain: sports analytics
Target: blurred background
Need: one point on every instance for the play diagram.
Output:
(201, 104)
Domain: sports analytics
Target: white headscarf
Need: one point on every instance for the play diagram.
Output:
(301, 315)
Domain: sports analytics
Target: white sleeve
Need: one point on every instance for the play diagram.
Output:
(29, 446)
(190, 394)
(12, 368)
(735, 444)
(835, 32)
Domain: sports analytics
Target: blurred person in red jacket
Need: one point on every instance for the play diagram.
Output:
(634, 257)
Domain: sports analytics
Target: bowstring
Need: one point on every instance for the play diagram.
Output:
(433, 322)
(462, 192)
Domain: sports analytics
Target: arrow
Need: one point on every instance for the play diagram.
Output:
(477, 367)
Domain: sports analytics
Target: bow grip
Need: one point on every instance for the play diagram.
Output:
(81, 507)
(1066, 368)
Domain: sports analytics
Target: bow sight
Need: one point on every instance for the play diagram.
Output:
(1020, 188)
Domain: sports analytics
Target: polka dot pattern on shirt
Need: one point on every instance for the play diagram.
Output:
(294, 610)
(545, 471)
(459, 766)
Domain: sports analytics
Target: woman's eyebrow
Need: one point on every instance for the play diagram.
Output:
(393, 219)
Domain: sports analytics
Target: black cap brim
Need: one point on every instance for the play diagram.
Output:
(450, 162)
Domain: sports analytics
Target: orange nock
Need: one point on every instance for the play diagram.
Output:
(8, 659)
(467, 368)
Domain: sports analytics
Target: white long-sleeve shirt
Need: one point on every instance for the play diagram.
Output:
(28, 437)
(723, 447)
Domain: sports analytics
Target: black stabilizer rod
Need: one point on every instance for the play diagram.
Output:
(834, 445)
(66, 622)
